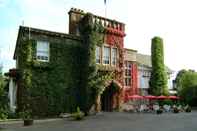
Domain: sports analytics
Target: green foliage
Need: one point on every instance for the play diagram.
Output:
(51, 85)
(3, 98)
(25, 115)
(186, 82)
(92, 82)
(158, 80)
(78, 115)
(70, 78)
(189, 95)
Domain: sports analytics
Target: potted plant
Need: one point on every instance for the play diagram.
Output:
(27, 117)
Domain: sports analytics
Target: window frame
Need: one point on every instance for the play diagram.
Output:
(103, 51)
(48, 51)
(100, 54)
(127, 68)
(116, 60)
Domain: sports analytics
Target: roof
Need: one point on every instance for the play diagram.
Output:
(23, 29)
(145, 60)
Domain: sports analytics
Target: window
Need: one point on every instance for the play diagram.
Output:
(98, 55)
(114, 56)
(128, 73)
(106, 55)
(42, 53)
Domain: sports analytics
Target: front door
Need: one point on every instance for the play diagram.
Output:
(107, 100)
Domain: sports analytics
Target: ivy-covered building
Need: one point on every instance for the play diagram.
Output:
(88, 67)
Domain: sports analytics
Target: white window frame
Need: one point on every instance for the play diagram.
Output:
(112, 57)
(44, 51)
(128, 75)
(99, 55)
(103, 57)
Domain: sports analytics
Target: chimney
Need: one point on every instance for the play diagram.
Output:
(75, 15)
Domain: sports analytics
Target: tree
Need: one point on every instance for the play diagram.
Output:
(158, 80)
(186, 81)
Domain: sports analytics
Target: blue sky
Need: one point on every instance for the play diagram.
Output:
(173, 20)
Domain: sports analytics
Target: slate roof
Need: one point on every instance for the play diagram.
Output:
(145, 60)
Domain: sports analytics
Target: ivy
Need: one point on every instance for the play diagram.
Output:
(69, 80)
(92, 81)
(51, 85)
(158, 80)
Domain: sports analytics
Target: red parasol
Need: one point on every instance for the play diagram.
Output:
(173, 97)
(150, 97)
(162, 97)
(135, 97)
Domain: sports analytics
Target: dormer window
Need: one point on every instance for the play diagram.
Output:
(42, 51)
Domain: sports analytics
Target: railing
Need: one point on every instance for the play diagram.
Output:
(108, 23)
(105, 22)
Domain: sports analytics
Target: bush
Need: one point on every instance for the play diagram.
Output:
(3, 98)
(3, 114)
(25, 115)
(78, 115)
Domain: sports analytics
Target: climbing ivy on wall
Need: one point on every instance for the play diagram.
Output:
(70, 78)
(92, 81)
(50, 85)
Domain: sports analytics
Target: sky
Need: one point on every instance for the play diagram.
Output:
(173, 20)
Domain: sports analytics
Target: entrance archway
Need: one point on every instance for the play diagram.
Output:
(110, 98)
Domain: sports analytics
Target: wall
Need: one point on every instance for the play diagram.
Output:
(53, 87)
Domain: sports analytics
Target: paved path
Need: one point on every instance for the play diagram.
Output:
(117, 122)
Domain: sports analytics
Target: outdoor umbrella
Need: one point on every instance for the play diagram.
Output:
(135, 97)
(173, 97)
(162, 97)
(150, 97)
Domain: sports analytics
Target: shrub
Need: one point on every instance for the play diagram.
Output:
(78, 115)
(25, 115)
(3, 114)
(3, 98)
